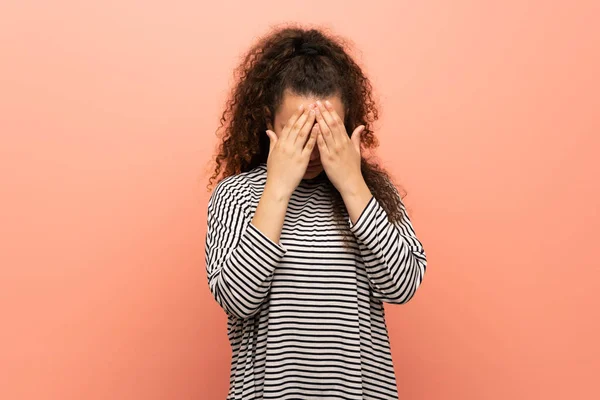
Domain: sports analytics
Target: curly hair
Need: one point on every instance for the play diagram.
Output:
(305, 62)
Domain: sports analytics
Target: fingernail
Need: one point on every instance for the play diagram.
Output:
(328, 103)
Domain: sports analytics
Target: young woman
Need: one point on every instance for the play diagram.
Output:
(306, 237)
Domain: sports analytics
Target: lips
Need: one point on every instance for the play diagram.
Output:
(313, 166)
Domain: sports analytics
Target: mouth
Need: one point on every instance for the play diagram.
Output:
(313, 166)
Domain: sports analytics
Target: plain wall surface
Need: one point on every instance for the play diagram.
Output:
(489, 119)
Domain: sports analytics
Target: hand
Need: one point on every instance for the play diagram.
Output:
(340, 154)
(289, 154)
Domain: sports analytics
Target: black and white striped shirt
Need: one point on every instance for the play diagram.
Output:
(305, 316)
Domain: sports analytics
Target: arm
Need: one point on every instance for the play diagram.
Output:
(393, 256)
(240, 258)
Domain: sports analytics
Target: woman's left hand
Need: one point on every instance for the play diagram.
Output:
(340, 154)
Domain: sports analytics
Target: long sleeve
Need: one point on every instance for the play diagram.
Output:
(240, 259)
(393, 256)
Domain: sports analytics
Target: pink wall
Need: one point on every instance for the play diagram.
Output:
(107, 114)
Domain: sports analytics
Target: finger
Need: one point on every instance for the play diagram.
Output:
(336, 117)
(323, 149)
(292, 120)
(305, 130)
(324, 128)
(356, 135)
(311, 142)
(333, 125)
(293, 133)
(272, 139)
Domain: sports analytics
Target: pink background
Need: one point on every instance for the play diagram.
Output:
(107, 114)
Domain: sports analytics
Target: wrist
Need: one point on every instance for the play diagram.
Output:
(355, 188)
(275, 193)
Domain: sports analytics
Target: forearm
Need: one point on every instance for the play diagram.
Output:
(240, 259)
(356, 196)
(270, 212)
(394, 258)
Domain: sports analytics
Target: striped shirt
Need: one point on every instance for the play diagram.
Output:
(305, 315)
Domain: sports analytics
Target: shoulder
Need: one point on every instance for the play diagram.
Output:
(240, 188)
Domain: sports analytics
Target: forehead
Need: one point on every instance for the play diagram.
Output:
(291, 102)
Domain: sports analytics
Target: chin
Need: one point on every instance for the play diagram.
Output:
(313, 174)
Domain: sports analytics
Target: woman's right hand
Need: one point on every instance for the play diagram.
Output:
(288, 154)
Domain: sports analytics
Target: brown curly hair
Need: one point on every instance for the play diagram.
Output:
(305, 62)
